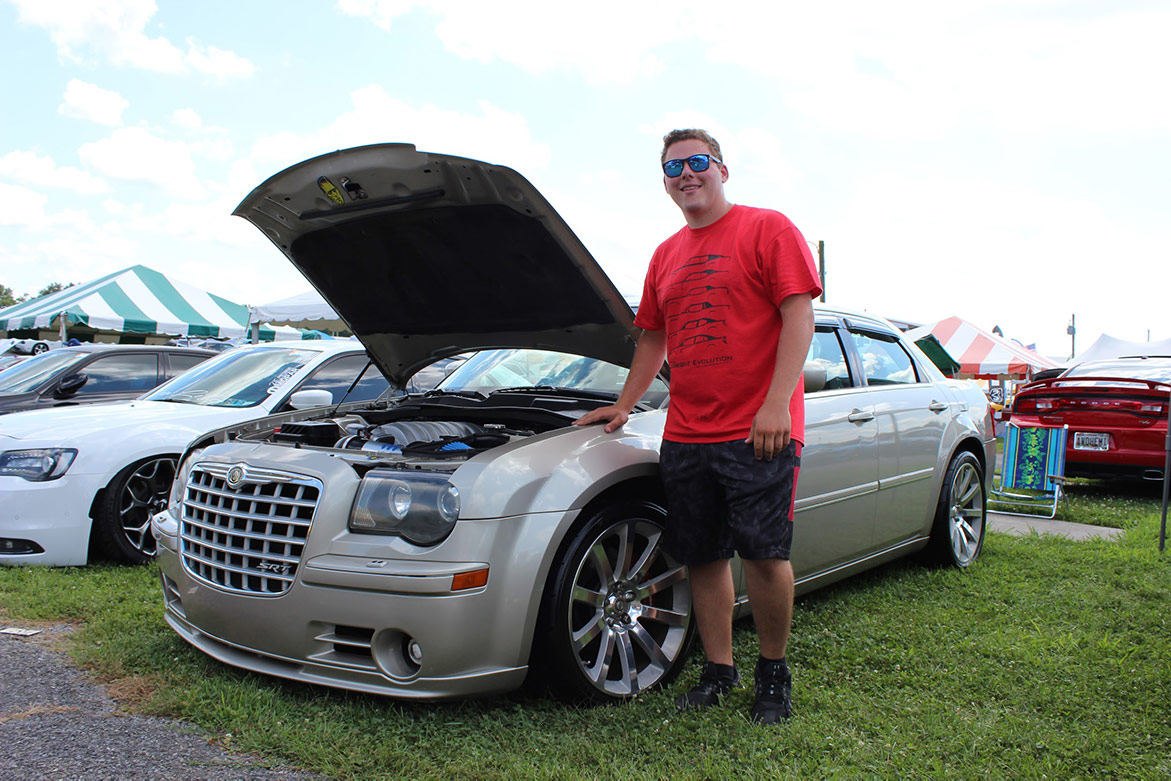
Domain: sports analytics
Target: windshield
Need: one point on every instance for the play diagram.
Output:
(238, 378)
(29, 375)
(491, 370)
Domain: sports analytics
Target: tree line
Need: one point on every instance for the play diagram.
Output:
(8, 297)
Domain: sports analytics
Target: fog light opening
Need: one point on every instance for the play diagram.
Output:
(10, 546)
(397, 654)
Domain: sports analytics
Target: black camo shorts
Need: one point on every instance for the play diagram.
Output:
(721, 499)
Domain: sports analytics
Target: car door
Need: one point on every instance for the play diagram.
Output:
(109, 378)
(911, 415)
(838, 483)
(181, 362)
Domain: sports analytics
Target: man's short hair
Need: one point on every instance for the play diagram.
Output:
(691, 133)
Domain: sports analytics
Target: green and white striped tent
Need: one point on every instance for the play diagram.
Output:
(134, 300)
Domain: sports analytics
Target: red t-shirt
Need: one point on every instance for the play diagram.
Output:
(716, 291)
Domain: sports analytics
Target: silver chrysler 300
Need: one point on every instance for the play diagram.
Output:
(456, 542)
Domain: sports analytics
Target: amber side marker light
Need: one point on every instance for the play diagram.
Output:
(466, 580)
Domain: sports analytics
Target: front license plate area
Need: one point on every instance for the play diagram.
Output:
(1085, 440)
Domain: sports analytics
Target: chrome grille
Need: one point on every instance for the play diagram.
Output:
(243, 529)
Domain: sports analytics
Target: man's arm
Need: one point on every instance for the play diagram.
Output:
(772, 426)
(649, 355)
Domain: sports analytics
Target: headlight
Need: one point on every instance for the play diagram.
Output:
(179, 485)
(37, 465)
(421, 508)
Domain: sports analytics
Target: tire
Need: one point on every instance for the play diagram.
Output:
(40, 347)
(616, 618)
(957, 536)
(122, 522)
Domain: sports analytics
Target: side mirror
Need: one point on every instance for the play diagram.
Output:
(308, 399)
(70, 385)
(814, 377)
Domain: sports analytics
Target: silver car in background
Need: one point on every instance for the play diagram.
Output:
(458, 542)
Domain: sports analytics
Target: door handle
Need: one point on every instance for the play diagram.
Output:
(860, 416)
(937, 406)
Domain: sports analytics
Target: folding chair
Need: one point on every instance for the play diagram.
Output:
(1034, 460)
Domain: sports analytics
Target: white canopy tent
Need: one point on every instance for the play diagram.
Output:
(304, 310)
(1108, 347)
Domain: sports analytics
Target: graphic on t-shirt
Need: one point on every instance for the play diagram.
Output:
(696, 291)
(696, 307)
(698, 339)
(697, 260)
(701, 322)
(696, 276)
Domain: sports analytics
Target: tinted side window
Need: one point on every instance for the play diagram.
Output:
(337, 375)
(826, 350)
(884, 360)
(121, 373)
(181, 362)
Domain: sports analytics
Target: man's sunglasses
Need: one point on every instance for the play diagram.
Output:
(697, 163)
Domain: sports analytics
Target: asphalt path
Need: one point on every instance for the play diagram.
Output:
(56, 723)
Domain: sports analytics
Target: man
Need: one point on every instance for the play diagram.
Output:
(727, 302)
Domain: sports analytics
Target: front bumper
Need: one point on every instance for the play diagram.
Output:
(364, 617)
(53, 516)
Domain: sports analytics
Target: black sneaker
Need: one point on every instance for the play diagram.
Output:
(773, 685)
(715, 681)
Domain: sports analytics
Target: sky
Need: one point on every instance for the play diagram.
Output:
(1006, 162)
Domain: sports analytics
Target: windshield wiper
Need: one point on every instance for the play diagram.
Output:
(467, 394)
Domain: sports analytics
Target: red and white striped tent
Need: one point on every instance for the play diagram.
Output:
(983, 355)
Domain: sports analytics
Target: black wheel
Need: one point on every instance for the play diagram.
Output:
(122, 525)
(617, 613)
(958, 533)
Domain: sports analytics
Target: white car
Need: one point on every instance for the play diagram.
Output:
(448, 544)
(87, 479)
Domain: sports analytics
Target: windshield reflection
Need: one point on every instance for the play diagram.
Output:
(29, 374)
(239, 378)
(491, 370)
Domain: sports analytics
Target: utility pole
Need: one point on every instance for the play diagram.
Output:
(1072, 331)
(821, 267)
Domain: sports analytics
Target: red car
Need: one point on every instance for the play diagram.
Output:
(1116, 411)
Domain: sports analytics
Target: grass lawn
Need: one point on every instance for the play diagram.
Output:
(1047, 658)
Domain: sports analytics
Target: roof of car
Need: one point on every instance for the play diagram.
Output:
(93, 347)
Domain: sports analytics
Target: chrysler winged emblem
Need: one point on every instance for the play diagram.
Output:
(235, 477)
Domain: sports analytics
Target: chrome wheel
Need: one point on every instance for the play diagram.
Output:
(958, 535)
(625, 605)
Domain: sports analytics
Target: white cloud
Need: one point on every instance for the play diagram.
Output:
(40, 170)
(607, 42)
(89, 101)
(115, 30)
(187, 118)
(21, 206)
(137, 154)
(491, 134)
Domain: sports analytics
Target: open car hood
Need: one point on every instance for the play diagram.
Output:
(425, 256)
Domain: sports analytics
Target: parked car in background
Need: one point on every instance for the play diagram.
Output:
(82, 479)
(92, 373)
(1116, 411)
(32, 346)
(446, 544)
(10, 359)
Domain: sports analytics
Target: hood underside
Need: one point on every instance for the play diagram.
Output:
(425, 256)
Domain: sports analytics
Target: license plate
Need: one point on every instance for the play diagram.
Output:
(1084, 440)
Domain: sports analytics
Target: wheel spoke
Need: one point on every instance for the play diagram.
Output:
(662, 582)
(626, 658)
(649, 555)
(601, 563)
(584, 636)
(653, 649)
(600, 670)
(588, 596)
(663, 616)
